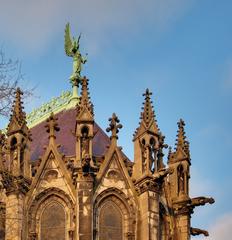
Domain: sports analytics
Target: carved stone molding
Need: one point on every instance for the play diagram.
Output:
(15, 184)
(148, 183)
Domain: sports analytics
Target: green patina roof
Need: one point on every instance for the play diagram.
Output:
(65, 101)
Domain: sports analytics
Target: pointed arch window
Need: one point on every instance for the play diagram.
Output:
(110, 222)
(181, 179)
(52, 225)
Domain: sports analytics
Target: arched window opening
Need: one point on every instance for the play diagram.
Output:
(144, 154)
(181, 179)
(84, 131)
(85, 142)
(22, 158)
(143, 142)
(13, 143)
(14, 165)
(110, 223)
(153, 159)
(52, 224)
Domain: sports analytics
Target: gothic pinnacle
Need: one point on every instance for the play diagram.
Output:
(85, 99)
(148, 114)
(147, 117)
(18, 108)
(181, 142)
(18, 116)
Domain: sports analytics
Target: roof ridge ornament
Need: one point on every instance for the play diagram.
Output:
(114, 127)
(52, 127)
(71, 46)
(55, 105)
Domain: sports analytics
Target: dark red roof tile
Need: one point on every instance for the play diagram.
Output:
(66, 136)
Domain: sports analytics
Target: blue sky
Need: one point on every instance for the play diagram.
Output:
(180, 49)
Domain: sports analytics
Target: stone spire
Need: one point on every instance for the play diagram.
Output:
(18, 116)
(85, 102)
(18, 108)
(182, 145)
(52, 127)
(148, 114)
(114, 127)
(148, 121)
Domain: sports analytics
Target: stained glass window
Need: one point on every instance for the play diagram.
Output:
(110, 223)
(53, 223)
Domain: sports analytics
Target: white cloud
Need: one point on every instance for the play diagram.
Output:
(221, 229)
(34, 24)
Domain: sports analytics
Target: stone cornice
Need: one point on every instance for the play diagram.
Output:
(15, 184)
(147, 183)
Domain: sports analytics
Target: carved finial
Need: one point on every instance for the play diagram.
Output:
(181, 142)
(85, 99)
(114, 126)
(148, 114)
(52, 126)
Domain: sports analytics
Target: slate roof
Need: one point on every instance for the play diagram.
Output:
(66, 136)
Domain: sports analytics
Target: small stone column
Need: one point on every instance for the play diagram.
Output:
(14, 217)
(85, 195)
(16, 188)
(149, 210)
(183, 225)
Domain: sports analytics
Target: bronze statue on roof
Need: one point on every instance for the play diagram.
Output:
(72, 50)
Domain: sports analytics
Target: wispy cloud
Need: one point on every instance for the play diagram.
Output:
(34, 24)
(221, 228)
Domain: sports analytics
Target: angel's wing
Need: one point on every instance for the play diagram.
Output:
(68, 41)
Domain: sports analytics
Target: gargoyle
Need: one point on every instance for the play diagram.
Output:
(200, 201)
(197, 231)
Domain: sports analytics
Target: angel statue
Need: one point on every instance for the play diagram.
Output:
(72, 50)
